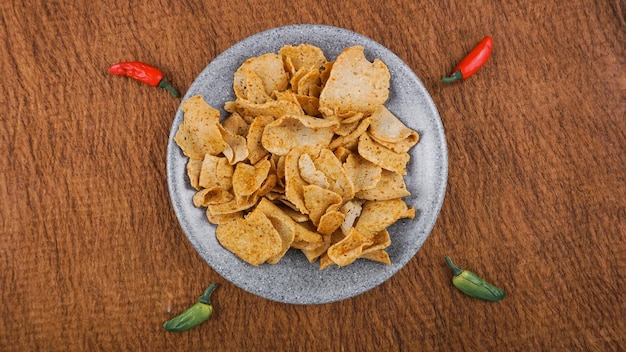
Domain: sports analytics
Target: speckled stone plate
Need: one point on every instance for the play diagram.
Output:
(294, 280)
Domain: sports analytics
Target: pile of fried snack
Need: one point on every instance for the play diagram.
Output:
(308, 158)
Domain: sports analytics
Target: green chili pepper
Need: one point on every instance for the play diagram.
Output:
(472, 285)
(197, 314)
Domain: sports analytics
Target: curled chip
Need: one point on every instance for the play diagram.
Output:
(382, 156)
(389, 131)
(308, 159)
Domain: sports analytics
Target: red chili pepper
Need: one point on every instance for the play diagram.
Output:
(144, 73)
(472, 62)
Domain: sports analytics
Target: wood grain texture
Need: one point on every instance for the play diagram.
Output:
(91, 254)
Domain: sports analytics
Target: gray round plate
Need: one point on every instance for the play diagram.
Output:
(295, 280)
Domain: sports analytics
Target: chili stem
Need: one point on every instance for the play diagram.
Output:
(456, 76)
(163, 84)
(456, 270)
(206, 296)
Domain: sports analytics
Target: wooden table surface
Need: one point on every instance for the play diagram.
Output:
(92, 256)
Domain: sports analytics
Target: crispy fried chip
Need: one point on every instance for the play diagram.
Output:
(355, 84)
(236, 149)
(270, 70)
(215, 172)
(291, 131)
(293, 181)
(253, 238)
(303, 55)
(380, 256)
(223, 218)
(317, 200)
(283, 223)
(306, 238)
(248, 178)
(235, 124)
(378, 215)
(349, 249)
(194, 166)
(339, 181)
(275, 108)
(389, 131)
(199, 133)
(255, 148)
(330, 221)
(381, 156)
(210, 196)
(363, 174)
(390, 186)
(353, 136)
(309, 173)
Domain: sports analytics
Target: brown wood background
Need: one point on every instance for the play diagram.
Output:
(91, 254)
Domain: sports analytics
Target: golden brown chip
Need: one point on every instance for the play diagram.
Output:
(309, 83)
(303, 55)
(363, 174)
(236, 149)
(309, 173)
(223, 218)
(283, 223)
(380, 256)
(253, 239)
(247, 179)
(235, 124)
(381, 156)
(378, 215)
(310, 105)
(339, 181)
(317, 200)
(306, 237)
(256, 151)
(313, 254)
(268, 67)
(194, 166)
(355, 84)
(235, 205)
(349, 249)
(210, 196)
(215, 172)
(293, 181)
(291, 131)
(390, 186)
(254, 89)
(199, 134)
(389, 131)
(274, 108)
(330, 221)
(353, 136)
(381, 240)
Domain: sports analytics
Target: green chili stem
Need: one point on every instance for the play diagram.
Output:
(206, 296)
(456, 76)
(455, 269)
(163, 84)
